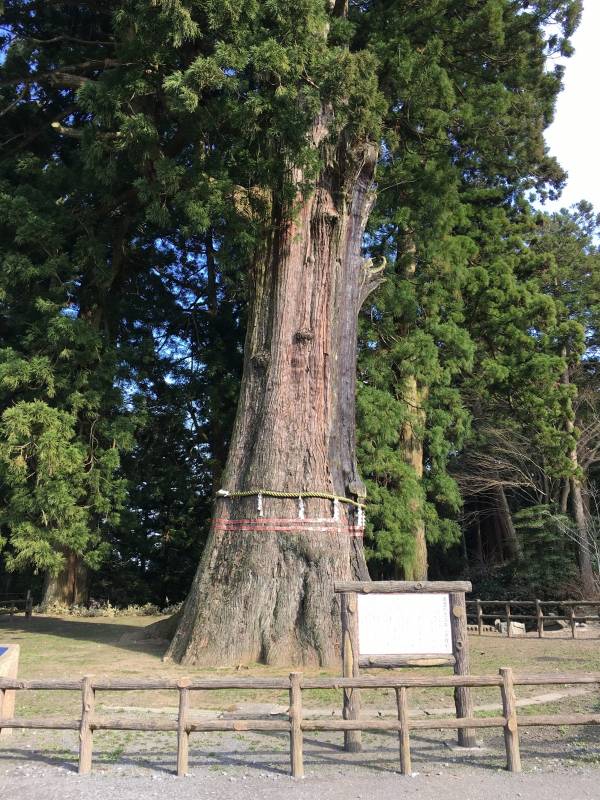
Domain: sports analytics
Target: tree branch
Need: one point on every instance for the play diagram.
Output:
(16, 101)
(63, 37)
(38, 130)
(372, 278)
(63, 79)
(64, 76)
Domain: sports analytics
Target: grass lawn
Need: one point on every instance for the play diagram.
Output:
(54, 647)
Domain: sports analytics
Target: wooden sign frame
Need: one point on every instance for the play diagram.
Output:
(352, 660)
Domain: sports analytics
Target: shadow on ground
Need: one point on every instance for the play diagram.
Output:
(100, 631)
(268, 753)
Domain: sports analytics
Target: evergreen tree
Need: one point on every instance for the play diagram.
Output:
(568, 270)
(514, 392)
(61, 430)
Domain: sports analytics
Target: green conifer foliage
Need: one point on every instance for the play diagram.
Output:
(449, 186)
(60, 441)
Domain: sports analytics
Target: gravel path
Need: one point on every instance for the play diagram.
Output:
(573, 785)
(557, 766)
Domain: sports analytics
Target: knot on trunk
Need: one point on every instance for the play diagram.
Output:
(357, 488)
(304, 335)
(261, 359)
(325, 207)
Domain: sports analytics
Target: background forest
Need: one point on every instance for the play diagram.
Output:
(127, 216)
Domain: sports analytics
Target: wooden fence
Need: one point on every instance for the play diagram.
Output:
(503, 612)
(296, 723)
(12, 603)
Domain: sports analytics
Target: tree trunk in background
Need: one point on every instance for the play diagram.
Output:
(510, 541)
(580, 512)
(68, 587)
(496, 524)
(581, 516)
(412, 443)
(411, 438)
(264, 587)
(565, 491)
(479, 543)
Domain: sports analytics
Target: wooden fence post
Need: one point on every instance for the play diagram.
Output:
(183, 734)
(507, 611)
(572, 620)
(479, 618)
(460, 640)
(350, 655)
(540, 619)
(403, 733)
(295, 714)
(88, 698)
(511, 729)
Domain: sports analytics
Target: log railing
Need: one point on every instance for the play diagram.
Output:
(11, 603)
(502, 610)
(295, 724)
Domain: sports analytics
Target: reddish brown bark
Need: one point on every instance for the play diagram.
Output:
(268, 595)
(69, 586)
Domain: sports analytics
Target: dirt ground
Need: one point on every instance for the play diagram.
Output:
(257, 768)
(557, 762)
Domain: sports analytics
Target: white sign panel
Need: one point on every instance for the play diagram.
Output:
(404, 624)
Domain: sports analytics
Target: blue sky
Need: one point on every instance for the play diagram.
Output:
(574, 136)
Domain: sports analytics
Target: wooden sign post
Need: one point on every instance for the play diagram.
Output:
(9, 668)
(404, 624)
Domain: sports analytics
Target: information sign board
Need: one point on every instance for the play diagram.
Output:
(407, 624)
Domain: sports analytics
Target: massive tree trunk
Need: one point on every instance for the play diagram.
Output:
(264, 588)
(69, 586)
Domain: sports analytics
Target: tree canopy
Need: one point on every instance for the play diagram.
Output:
(145, 145)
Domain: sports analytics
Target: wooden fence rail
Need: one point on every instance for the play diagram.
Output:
(503, 612)
(296, 724)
